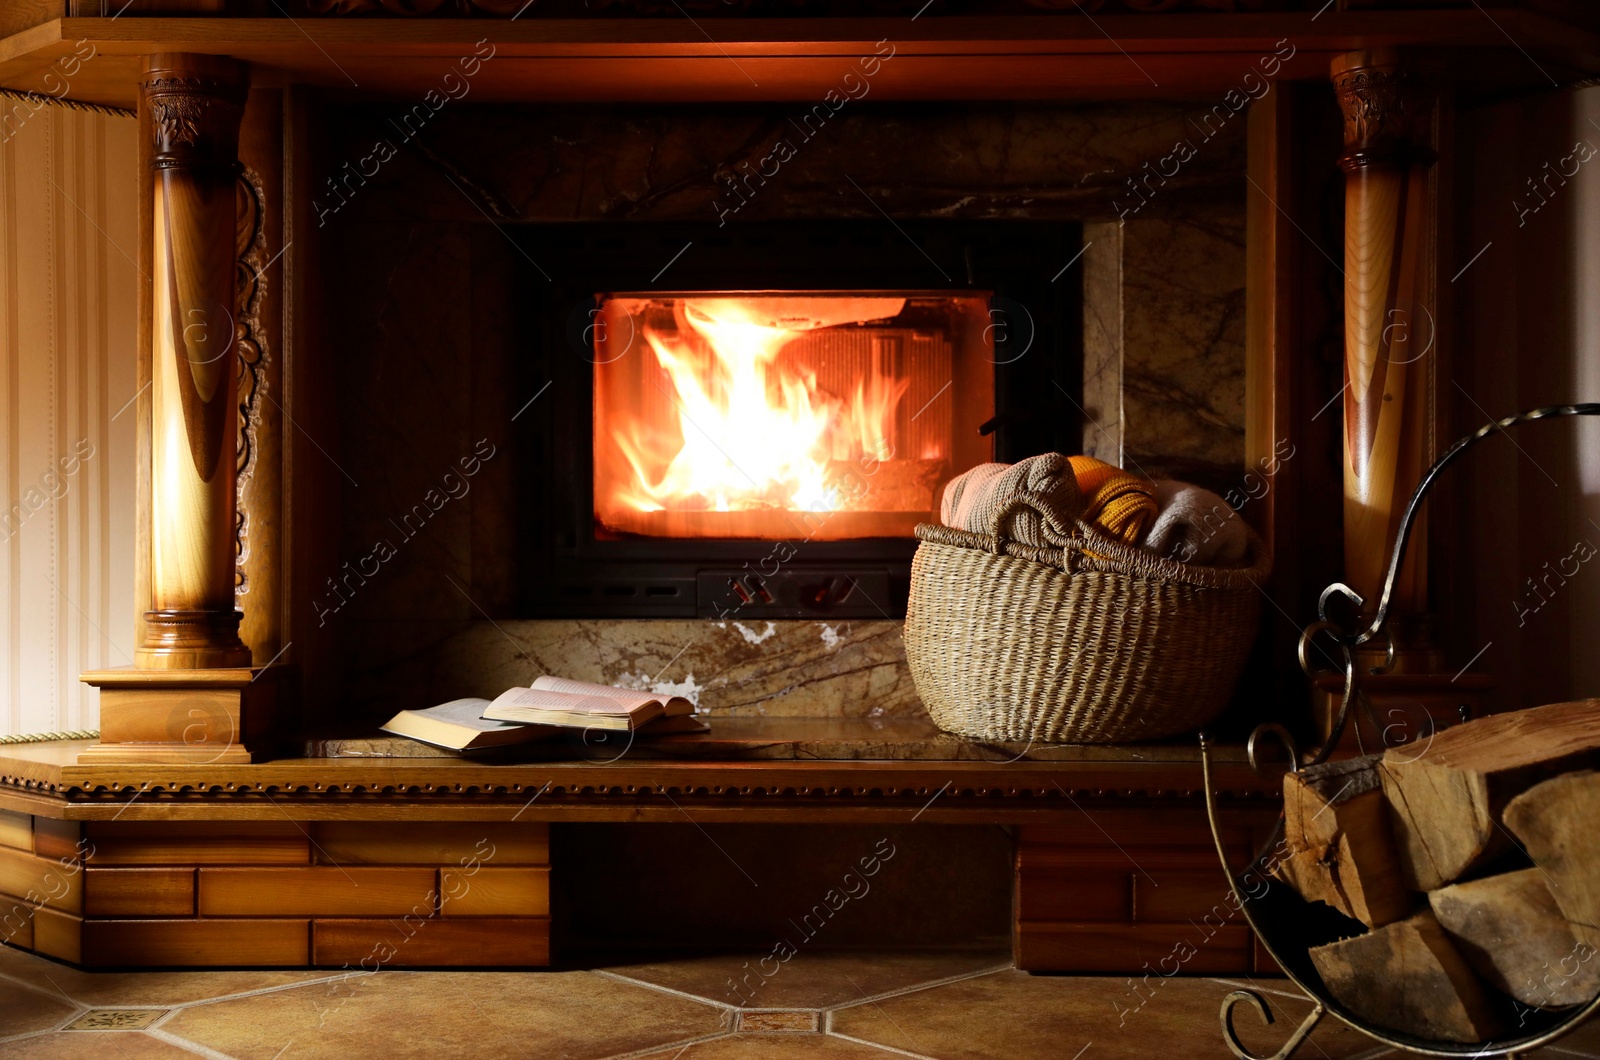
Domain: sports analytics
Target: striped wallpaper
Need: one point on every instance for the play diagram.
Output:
(68, 235)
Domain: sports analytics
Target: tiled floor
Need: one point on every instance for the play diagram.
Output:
(850, 1006)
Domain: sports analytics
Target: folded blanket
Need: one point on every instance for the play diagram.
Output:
(1196, 526)
(1122, 503)
(972, 499)
(1067, 488)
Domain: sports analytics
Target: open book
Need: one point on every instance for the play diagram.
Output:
(579, 704)
(459, 725)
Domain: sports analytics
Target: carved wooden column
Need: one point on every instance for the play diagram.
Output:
(196, 103)
(1390, 232)
(192, 695)
(1391, 326)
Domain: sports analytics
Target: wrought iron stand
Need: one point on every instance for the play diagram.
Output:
(1278, 917)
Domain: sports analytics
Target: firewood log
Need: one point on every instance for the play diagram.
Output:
(1408, 977)
(1339, 848)
(1510, 930)
(1558, 823)
(1446, 797)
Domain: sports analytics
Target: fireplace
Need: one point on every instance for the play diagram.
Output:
(754, 423)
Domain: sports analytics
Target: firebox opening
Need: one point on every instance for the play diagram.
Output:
(822, 416)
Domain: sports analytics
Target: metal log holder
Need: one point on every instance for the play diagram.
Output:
(1286, 924)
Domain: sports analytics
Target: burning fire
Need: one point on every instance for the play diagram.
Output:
(749, 431)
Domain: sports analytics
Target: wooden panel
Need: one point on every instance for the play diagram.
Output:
(16, 922)
(471, 942)
(1167, 949)
(138, 892)
(16, 830)
(1264, 964)
(1131, 859)
(1179, 897)
(1065, 894)
(494, 892)
(1131, 829)
(18, 15)
(41, 880)
(949, 57)
(183, 943)
(322, 891)
(430, 843)
(141, 715)
(58, 934)
(197, 843)
(58, 839)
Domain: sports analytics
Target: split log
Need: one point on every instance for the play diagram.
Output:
(1558, 823)
(1511, 931)
(1409, 977)
(1446, 798)
(1339, 848)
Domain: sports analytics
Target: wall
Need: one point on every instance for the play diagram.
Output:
(1528, 504)
(68, 225)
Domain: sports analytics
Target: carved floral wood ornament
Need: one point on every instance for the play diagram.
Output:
(253, 355)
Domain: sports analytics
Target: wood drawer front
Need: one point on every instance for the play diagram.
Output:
(196, 843)
(494, 892)
(430, 843)
(58, 935)
(16, 922)
(37, 880)
(482, 942)
(134, 892)
(16, 830)
(1061, 894)
(321, 891)
(1176, 897)
(1126, 949)
(58, 839)
(183, 943)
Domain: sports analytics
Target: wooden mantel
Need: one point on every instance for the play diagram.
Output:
(48, 780)
(1112, 56)
(312, 862)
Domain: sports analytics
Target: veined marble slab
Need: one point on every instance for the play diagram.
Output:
(888, 739)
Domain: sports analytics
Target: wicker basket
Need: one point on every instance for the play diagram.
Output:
(1091, 642)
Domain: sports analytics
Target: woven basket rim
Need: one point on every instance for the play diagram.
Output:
(1091, 550)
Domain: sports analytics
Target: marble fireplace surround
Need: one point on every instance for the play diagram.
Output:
(427, 302)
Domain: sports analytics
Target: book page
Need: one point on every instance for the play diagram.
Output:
(577, 703)
(468, 712)
(632, 697)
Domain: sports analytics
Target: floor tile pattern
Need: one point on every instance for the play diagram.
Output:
(818, 1005)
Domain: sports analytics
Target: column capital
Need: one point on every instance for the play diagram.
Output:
(196, 103)
(1387, 101)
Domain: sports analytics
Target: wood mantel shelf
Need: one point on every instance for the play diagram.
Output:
(309, 862)
(786, 59)
(46, 779)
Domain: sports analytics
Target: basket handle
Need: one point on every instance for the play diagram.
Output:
(1045, 506)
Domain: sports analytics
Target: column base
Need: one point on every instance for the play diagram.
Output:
(191, 640)
(197, 717)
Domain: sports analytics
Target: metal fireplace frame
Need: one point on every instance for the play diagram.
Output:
(566, 571)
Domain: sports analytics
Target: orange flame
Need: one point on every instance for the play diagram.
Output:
(750, 433)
